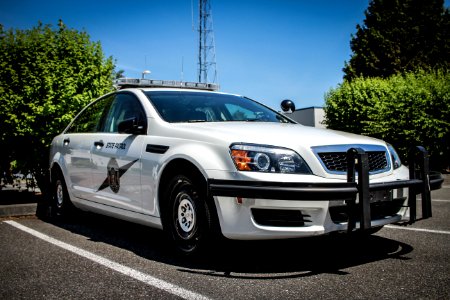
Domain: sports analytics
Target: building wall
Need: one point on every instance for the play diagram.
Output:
(319, 117)
(310, 116)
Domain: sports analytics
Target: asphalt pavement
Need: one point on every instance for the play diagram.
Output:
(96, 257)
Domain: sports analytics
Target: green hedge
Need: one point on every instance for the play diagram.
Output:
(404, 110)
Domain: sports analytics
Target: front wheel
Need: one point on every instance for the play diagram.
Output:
(186, 215)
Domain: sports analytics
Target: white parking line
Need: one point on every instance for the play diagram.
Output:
(440, 200)
(436, 200)
(145, 278)
(417, 229)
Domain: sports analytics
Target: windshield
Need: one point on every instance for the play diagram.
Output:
(175, 107)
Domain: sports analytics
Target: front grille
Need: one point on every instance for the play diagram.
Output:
(337, 161)
(280, 217)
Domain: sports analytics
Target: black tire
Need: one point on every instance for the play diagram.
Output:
(186, 215)
(61, 206)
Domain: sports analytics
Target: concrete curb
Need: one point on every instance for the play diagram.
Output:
(18, 210)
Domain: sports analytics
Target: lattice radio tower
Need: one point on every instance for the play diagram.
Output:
(207, 71)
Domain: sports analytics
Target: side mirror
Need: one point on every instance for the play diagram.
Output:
(288, 106)
(130, 126)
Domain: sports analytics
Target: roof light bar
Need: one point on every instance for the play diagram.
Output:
(123, 83)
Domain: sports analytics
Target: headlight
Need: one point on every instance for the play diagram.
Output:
(261, 158)
(394, 156)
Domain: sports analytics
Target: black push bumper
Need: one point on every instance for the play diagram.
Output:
(420, 182)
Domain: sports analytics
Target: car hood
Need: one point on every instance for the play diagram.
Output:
(275, 134)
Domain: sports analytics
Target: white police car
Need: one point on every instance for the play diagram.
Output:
(195, 162)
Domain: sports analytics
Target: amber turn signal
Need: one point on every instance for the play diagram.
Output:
(241, 159)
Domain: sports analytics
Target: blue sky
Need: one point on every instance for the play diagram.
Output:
(266, 50)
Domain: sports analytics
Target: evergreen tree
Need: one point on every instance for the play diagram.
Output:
(399, 36)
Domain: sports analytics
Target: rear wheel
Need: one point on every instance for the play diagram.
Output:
(186, 215)
(61, 206)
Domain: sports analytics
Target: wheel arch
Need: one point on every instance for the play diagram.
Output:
(55, 170)
(175, 167)
(185, 167)
(56, 165)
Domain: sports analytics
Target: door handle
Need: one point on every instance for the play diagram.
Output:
(66, 141)
(99, 144)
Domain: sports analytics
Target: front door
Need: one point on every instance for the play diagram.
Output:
(116, 157)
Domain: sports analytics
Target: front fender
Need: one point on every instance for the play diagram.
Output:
(208, 158)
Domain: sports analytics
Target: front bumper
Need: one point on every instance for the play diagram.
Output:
(315, 199)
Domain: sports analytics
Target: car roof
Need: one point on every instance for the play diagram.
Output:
(124, 83)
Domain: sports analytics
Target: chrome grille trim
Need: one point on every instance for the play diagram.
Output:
(333, 158)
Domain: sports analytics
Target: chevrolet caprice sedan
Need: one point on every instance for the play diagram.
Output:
(196, 163)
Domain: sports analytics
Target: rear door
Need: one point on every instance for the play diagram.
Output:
(77, 146)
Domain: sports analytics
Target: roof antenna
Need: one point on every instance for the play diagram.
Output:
(182, 68)
(192, 14)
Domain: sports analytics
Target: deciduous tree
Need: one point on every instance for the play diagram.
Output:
(405, 110)
(46, 76)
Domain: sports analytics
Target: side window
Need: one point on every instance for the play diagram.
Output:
(91, 118)
(125, 107)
